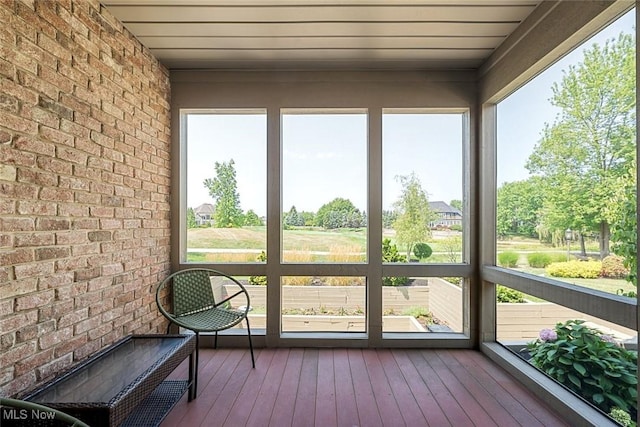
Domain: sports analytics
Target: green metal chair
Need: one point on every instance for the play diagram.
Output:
(186, 298)
(28, 408)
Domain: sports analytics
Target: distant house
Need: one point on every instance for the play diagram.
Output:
(204, 214)
(447, 215)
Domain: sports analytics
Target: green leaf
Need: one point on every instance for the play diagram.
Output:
(598, 398)
(613, 374)
(618, 402)
(629, 379)
(575, 380)
(564, 361)
(578, 367)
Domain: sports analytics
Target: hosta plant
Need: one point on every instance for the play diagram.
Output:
(589, 363)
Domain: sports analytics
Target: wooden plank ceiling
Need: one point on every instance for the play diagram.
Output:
(321, 34)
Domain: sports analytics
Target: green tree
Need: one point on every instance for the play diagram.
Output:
(223, 189)
(338, 213)
(390, 254)
(252, 219)
(624, 225)
(591, 143)
(518, 207)
(388, 218)
(414, 213)
(456, 204)
(191, 218)
(293, 218)
(308, 217)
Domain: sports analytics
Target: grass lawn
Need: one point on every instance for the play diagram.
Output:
(349, 245)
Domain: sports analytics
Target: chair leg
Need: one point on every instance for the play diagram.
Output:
(195, 381)
(253, 360)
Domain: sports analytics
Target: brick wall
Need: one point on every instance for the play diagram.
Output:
(84, 186)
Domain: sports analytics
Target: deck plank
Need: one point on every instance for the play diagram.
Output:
(326, 412)
(365, 399)
(346, 407)
(305, 406)
(282, 414)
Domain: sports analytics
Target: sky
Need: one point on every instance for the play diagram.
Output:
(522, 115)
(324, 155)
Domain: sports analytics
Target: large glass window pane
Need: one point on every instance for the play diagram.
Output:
(226, 185)
(422, 186)
(566, 197)
(324, 186)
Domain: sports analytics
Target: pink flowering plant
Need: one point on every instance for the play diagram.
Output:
(590, 363)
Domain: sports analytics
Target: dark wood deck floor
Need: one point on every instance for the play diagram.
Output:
(356, 387)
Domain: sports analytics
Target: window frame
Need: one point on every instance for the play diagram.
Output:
(370, 91)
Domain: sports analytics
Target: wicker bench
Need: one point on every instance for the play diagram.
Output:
(123, 385)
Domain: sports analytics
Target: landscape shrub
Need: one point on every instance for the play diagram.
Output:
(508, 259)
(613, 267)
(539, 259)
(575, 269)
(422, 250)
(259, 280)
(504, 294)
(390, 254)
(589, 363)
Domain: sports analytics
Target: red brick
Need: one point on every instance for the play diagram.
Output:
(72, 209)
(18, 384)
(69, 292)
(17, 123)
(54, 367)
(85, 224)
(70, 345)
(55, 135)
(88, 198)
(19, 321)
(30, 81)
(55, 281)
(74, 128)
(88, 146)
(52, 224)
(37, 208)
(15, 288)
(31, 363)
(37, 176)
(58, 194)
(74, 183)
(49, 340)
(87, 324)
(33, 300)
(89, 348)
(71, 264)
(54, 165)
(52, 46)
(17, 256)
(102, 212)
(72, 155)
(17, 353)
(34, 239)
(18, 190)
(54, 311)
(24, 271)
(87, 249)
(43, 254)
